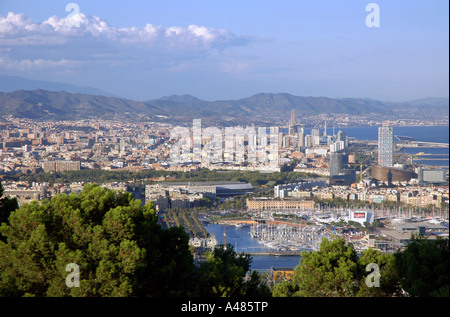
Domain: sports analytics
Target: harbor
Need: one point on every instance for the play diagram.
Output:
(288, 238)
(263, 258)
(272, 242)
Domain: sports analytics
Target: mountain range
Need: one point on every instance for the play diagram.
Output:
(264, 107)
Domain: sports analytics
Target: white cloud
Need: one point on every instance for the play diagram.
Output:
(13, 23)
(89, 40)
(17, 27)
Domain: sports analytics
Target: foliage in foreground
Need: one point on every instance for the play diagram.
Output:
(7, 205)
(421, 269)
(119, 248)
(122, 251)
(335, 271)
(424, 267)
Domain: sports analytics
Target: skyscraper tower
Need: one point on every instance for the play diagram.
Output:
(325, 131)
(292, 124)
(336, 163)
(301, 136)
(342, 136)
(386, 145)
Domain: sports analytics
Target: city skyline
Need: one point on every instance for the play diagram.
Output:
(228, 49)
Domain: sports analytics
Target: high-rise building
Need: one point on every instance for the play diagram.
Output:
(336, 163)
(315, 132)
(292, 125)
(342, 136)
(339, 174)
(308, 141)
(301, 139)
(286, 141)
(386, 145)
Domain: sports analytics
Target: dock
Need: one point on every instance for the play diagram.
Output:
(275, 253)
(422, 144)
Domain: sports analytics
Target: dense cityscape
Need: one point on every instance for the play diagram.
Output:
(32, 147)
(329, 168)
(289, 194)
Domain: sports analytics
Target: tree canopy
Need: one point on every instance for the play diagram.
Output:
(419, 270)
(118, 245)
(328, 272)
(7, 205)
(424, 267)
(223, 275)
(335, 271)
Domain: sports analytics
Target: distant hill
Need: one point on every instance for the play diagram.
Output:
(422, 108)
(264, 107)
(433, 102)
(42, 104)
(13, 83)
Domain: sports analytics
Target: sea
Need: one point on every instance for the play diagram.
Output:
(240, 238)
(438, 134)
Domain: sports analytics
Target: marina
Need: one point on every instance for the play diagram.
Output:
(272, 242)
(263, 258)
(288, 238)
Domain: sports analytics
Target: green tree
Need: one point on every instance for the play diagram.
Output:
(223, 275)
(388, 275)
(328, 272)
(423, 267)
(254, 287)
(120, 250)
(285, 289)
(7, 205)
(334, 271)
(117, 243)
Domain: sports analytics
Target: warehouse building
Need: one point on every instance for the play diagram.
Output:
(167, 195)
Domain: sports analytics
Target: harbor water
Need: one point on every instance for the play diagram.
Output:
(241, 241)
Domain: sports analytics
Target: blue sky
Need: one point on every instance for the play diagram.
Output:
(230, 49)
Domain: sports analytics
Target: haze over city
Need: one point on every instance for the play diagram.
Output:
(221, 50)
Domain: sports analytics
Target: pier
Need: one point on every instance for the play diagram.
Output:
(275, 253)
(431, 159)
(430, 154)
(421, 144)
